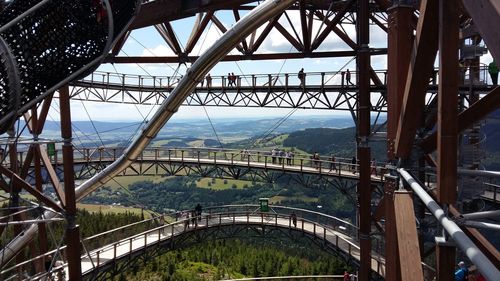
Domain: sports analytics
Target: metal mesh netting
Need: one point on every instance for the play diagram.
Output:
(54, 42)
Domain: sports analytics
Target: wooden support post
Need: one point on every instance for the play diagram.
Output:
(408, 245)
(447, 101)
(72, 230)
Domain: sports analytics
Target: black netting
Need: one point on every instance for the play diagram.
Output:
(57, 40)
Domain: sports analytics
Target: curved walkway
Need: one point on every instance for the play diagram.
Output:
(341, 167)
(329, 230)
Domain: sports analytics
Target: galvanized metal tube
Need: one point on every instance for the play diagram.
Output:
(196, 73)
(480, 224)
(484, 265)
(482, 215)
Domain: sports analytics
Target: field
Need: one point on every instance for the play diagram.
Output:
(106, 209)
(221, 184)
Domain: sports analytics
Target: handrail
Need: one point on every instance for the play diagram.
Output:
(323, 164)
(211, 220)
(485, 266)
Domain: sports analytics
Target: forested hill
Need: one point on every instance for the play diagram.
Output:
(340, 142)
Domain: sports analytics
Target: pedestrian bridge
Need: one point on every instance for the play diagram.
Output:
(149, 238)
(207, 161)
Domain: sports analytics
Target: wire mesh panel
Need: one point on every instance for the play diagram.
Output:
(58, 41)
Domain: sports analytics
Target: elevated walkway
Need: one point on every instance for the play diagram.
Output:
(329, 232)
(184, 161)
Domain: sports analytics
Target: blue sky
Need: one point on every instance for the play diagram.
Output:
(147, 42)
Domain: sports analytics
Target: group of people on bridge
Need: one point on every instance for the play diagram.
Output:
(280, 155)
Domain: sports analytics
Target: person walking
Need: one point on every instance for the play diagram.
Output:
(301, 76)
(347, 276)
(493, 70)
(348, 77)
(185, 216)
(333, 167)
(293, 218)
(273, 155)
(353, 164)
(198, 211)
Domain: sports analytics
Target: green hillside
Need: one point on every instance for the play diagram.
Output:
(325, 141)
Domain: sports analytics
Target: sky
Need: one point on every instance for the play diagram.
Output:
(147, 42)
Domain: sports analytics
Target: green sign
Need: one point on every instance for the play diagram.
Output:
(264, 204)
(51, 149)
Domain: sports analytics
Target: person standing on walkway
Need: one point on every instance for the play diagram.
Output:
(493, 70)
(209, 80)
(373, 167)
(162, 223)
(273, 155)
(348, 77)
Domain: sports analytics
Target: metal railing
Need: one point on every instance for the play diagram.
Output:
(297, 162)
(316, 79)
(328, 229)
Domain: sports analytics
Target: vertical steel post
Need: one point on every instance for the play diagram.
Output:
(363, 132)
(72, 230)
(400, 44)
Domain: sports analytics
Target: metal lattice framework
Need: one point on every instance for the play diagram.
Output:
(417, 125)
(52, 42)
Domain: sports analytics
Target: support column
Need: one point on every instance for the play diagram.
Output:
(72, 231)
(447, 124)
(400, 46)
(42, 231)
(363, 132)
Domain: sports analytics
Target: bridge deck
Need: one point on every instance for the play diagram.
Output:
(120, 249)
(343, 170)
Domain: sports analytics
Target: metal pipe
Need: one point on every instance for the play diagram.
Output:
(468, 172)
(463, 241)
(196, 73)
(480, 224)
(481, 215)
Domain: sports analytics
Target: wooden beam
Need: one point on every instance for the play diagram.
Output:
(289, 37)
(43, 113)
(171, 34)
(20, 183)
(119, 44)
(331, 24)
(305, 29)
(199, 30)
(236, 14)
(264, 34)
(447, 143)
(476, 112)
(419, 73)
(222, 28)
(52, 174)
(486, 15)
(406, 228)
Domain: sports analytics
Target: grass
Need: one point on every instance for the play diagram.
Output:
(128, 180)
(107, 209)
(278, 199)
(218, 184)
